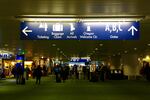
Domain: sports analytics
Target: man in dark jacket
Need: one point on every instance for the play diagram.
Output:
(38, 74)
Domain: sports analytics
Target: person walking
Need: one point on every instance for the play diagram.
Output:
(147, 71)
(38, 74)
(27, 72)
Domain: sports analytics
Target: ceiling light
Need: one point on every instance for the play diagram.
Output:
(14, 49)
(58, 49)
(135, 49)
(101, 45)
(96, 48)
(53, 45)
(46, 18)
(114, 55)
(6, 45)
(79, 18)
(125, 51)
(147, 57)
(148, 44)
(110, 19)
(113, 18)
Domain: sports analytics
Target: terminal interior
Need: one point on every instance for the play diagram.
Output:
(127, 53)
(124, 76)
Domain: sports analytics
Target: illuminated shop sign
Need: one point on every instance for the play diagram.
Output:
(80, 30)
(80, 59)
(5, 55)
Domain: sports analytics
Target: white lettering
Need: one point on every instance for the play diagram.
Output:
(95, 37)
(86, 37)
(86, 33)
(115, 27)
(114, 37)
(53, 33)
(42, 37)
(119, 27)
(107, 28)
(57, 37)
(71, 33)
(72, 37)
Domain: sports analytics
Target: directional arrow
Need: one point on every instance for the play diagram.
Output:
(25, 31)
(132, 29)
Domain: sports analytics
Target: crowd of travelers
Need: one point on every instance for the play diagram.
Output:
(35, 72)
(91, 73)
(64, 72)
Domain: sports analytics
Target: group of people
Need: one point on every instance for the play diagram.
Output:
(62, 73)
(18, 72)
(92, 73)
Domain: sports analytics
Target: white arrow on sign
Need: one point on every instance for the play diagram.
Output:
(25, 31)
(132, 29)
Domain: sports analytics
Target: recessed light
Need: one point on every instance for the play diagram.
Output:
(5, 45)
(58, 49)
(125, 51)
(135, 48)
(100, 44)
(148, 44)
(96, 48)
(14, 49)
(53, 45)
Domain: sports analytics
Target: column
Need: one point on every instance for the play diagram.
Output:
(131, 65)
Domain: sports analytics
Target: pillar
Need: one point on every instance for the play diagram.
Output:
(131, 66)
(115, 61)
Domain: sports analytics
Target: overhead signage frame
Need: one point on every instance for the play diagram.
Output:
(115, 30)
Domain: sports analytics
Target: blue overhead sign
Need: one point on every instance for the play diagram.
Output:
(80, 30)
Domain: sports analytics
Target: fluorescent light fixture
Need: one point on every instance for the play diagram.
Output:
(110, 19)
(54, 18)
(95, 23)
(113, 18)
(88, 18)
(50, 19)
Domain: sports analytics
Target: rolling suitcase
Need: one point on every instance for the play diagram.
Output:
(23, 81)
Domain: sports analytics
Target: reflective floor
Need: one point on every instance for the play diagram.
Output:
(73, 89)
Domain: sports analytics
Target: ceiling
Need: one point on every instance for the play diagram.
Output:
(10, 33)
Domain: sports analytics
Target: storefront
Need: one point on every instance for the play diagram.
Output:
(7, 62)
